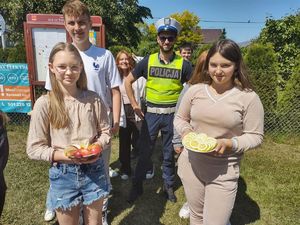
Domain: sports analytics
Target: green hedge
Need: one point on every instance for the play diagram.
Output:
(263, 66)
(289, 101)
(116, 48)
(15, 54)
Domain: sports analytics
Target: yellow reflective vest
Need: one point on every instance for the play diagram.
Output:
(164, 80)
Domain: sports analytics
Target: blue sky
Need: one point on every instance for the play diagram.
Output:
(226, 10)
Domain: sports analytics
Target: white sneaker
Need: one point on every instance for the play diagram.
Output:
(49, 215)
(112, 173)
(124, 176)
(150, 174)
(184, 212)
(104, 218)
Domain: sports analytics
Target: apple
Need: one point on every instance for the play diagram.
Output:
(70, 151)
(78, 154)
(95, 149)
(85, 152)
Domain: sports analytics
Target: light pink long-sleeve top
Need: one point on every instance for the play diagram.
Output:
(235, 113)
(88, 116)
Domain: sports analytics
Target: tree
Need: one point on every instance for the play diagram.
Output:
(119, 17)
(223, 35)
(190, 28)
(148, 42)
(190, 32)
(15, 11)
(198, 50)
(284, 35)
(116, 48)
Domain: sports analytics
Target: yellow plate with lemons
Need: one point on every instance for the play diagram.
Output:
(199, 142)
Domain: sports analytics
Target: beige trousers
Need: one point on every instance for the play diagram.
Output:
(210, 189)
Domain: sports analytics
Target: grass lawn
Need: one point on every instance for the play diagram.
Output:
(269, 189)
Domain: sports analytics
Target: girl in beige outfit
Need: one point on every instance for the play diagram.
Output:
(223, 106)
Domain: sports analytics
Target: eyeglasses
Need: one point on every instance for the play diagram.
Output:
(164, 38)
(63, 69)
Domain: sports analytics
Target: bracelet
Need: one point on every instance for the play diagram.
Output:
(52, 156)
(234, 143)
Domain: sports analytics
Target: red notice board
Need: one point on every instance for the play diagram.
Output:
(42, 32)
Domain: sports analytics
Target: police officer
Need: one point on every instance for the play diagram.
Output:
(165, 73)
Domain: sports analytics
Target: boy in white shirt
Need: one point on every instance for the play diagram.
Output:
(99, 64)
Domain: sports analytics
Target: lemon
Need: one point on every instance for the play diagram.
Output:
(194, 144)
(199, 142)
(201, 137)
(203, 147)
(211, 141)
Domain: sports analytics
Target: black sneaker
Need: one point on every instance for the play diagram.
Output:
(135, 192)
(169, 192)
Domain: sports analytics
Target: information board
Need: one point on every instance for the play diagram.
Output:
(14, 88)
(42, 32)
(44, 40)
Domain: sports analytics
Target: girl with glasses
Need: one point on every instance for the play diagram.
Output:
(70, 114)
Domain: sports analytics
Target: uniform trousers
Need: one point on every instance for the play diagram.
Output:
(152, 124)
(210, 190)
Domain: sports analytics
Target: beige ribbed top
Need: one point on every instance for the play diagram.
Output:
(235, 113)
(88, 116)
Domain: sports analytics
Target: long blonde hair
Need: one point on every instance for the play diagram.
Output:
(58, 114)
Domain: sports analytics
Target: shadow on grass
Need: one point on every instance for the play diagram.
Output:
(245, 210)
(148, 208)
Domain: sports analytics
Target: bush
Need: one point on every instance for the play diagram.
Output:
(262, 64)
(3, 55)
(197, 51)
(116, 48)
(289, 101)
(284, 35)
(147, 48)
(15, 54)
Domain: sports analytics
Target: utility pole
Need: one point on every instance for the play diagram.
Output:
(2, 31)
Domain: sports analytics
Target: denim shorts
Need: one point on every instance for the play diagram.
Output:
(72, 184)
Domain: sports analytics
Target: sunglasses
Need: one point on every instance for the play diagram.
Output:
(164, 38)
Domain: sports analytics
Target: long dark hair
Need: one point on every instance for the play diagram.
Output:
(231, 51)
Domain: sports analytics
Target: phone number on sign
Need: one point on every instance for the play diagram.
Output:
(18, 104)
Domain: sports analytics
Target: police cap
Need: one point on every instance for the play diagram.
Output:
(168, 24)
